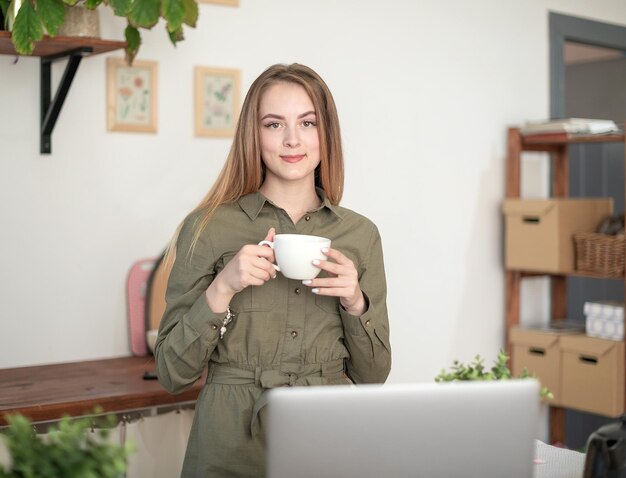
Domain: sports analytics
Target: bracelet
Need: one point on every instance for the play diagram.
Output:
(227, 320)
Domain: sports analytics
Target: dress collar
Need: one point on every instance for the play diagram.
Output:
(252, 204)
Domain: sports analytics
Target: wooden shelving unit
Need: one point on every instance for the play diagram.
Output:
(559, 152)
(50, 50)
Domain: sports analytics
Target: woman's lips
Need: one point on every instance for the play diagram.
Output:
(294, 158)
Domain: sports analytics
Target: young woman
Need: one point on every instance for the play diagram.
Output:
(228, 309)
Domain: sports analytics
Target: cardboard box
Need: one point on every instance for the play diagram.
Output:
(604, 319)
(539, 352)
(592, 378)
(539, 231)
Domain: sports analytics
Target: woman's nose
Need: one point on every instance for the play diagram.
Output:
(291, 137)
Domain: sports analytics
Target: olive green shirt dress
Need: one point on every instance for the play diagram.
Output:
(282, 333)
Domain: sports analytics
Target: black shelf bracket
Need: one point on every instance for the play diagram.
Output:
(50, 108)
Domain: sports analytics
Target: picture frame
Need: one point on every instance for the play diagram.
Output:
(229, 3)
(132, 96)
(217, 101)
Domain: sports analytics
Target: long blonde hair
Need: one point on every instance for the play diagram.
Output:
(244, 171)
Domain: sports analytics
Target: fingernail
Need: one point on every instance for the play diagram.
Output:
(315, 291)
(274, 276)
(307, 281)
(316, 262)
(324, 250)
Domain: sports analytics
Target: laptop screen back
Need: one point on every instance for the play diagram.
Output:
(469, 429)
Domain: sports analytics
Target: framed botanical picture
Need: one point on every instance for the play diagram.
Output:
(131, 96)
(230, 3)
(216, 101)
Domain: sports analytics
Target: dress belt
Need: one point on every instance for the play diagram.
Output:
(271, 378)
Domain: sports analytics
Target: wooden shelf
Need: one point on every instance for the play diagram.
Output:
(558, 147)
(47, 392)
(62, 45)
(573, 139)
(590, 275)
(49, 50)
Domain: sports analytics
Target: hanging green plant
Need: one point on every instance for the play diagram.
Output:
(29, 19)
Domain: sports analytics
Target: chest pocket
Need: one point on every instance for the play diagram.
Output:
(252, 298)
(327, 303)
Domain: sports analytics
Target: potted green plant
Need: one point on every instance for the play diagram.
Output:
(476, 371)
(73, 448)
(34, 17)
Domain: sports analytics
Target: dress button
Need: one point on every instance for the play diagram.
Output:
(294, 334)
(307, 218)
(297, 290)
(367, 323)
(214, 327)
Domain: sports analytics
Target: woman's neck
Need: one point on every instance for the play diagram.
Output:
(295, 199)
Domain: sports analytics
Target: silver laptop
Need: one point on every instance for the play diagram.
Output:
(463, 429)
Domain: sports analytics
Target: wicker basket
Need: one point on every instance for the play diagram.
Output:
(599, 253)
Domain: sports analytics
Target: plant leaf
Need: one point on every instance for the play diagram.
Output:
(27, 29)
(92, 4)
(174, 13)
(52, 14)
(120, 7)
(191, 12)
(133, 41)
(144, 13)
(176, 36)
(4, 8)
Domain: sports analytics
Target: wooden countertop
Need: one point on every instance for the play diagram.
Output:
(48, 392)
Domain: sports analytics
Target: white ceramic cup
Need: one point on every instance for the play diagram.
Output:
(295, 254)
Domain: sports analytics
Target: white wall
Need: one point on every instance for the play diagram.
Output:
(425, 91)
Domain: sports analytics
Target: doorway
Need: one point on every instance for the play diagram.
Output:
(588, 80)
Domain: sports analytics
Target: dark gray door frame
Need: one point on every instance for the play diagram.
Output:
(566, 28)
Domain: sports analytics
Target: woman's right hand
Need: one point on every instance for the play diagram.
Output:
(252, 265)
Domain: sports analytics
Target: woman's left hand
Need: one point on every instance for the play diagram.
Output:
(343, 282)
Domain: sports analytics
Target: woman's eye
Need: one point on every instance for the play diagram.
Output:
(272, 125)
(308, 123)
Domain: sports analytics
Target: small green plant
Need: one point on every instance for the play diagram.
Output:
(476, 371)
(72, 448)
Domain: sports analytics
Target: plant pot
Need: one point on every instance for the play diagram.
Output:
(80, 22)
